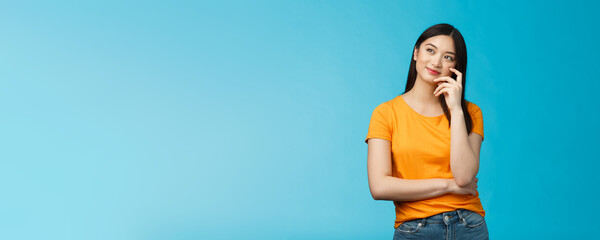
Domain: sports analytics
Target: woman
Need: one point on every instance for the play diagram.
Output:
(424, 145)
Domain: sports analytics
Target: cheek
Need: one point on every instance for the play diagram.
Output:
(422, 60)
(447, 70)
(419, 63)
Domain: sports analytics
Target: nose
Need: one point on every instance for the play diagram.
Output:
(436, 61)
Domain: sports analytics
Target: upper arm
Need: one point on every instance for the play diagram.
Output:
(475, 141)
(379, 162)
(476, 135)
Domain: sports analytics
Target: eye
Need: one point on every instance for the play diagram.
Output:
(429, 49)
(450, 58)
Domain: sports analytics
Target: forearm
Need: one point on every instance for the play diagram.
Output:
(398, 189)
(463, 162)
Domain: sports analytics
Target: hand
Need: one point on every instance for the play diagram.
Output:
(469, 189)
(452, 89)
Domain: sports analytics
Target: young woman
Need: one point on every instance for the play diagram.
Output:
(424, 145)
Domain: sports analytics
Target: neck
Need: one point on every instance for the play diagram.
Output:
(423, 92)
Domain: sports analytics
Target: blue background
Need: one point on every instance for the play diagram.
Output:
(231, 119)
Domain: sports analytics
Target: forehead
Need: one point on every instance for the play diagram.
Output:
(442, 42)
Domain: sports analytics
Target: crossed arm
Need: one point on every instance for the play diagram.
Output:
(464, 163)
(386, 187)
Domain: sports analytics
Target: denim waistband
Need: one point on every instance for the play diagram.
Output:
(446, 217)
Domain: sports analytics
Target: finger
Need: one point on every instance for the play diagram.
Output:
(442, 85)
(438, 92)
(447, 80)
(444, 79)
(458, 75)
(438, 88)
(444, 90)
(448, 85)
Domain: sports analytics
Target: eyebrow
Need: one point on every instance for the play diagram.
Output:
(436, 48)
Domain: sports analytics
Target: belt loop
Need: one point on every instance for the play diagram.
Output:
(460, 213)
(423, 221)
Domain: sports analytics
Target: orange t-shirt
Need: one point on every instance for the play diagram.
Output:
(421, 150)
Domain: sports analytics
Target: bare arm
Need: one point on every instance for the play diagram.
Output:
(464, 150)
(386, 187)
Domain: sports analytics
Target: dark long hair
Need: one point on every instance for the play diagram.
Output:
(461, 66)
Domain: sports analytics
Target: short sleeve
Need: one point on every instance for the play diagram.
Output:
(477, 118)
(380, 126)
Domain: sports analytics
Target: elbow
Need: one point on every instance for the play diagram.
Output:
(376, 192)
(375, 197)
(463, 181)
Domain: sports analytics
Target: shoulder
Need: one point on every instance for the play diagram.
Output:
(388, 105)
(474, 109)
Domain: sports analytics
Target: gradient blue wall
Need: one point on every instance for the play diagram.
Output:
(241, 119)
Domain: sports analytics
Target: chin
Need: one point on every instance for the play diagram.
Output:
(429, 80)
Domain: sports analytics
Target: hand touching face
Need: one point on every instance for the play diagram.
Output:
(451, 88)
(435, 57)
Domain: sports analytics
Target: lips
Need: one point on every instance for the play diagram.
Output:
(434, 72)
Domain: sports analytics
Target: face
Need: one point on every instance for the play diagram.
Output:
(435, 57)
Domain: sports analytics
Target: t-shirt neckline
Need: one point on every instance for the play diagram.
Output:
(417, 113)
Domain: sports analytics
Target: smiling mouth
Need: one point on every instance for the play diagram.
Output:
(432, 71)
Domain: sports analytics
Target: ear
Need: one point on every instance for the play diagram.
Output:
(415, 54)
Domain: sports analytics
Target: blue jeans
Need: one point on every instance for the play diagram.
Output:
(453, 225)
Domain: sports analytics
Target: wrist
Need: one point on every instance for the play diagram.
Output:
(456, 112)
(448, 185)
